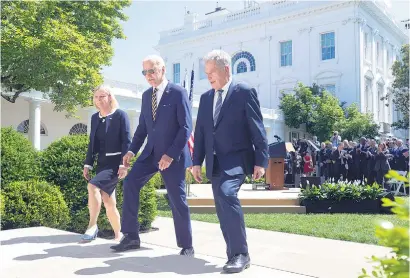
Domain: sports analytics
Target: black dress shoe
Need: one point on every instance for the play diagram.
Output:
(187, 252)
(237, 263)
(126, 243)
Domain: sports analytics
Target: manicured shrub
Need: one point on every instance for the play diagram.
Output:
(62, 164)
(34, 203)
(18, 157)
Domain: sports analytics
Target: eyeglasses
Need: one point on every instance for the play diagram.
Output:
(100, 97)
(150, 71)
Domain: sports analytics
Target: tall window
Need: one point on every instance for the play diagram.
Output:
(328, 45)
(366, 46)
(380, 105)
(388, 63)
(202, 74)
(331, 88)
(368, 96)
(378, 54)
(177, 73)
(286, 53)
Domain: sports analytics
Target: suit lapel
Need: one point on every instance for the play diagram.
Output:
(225, 104)
(108, 120)
(94, 123)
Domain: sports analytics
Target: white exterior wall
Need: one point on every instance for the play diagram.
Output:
(260, 32)
(55, 123)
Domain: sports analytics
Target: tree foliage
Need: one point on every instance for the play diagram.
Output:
(57, 47)
(356, 124)
(400, 92)
(311, 106)
(322, 113)
(401, 88)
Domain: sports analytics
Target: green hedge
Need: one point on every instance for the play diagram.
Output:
(2, 207)
(18, 157)
(34, 203)
(148, 204)
(340, 191)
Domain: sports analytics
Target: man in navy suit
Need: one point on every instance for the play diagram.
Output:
(231, 137)
(166, 119)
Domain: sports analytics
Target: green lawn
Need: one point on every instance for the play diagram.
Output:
(350, 227)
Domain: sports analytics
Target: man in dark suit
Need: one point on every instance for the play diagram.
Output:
(167, 121)
(231, 137)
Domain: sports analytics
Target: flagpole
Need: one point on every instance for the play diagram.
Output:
(191, 137)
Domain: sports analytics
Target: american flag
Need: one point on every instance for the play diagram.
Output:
(191, 96)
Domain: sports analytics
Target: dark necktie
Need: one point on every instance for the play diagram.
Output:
(218, 106)
(154, 104)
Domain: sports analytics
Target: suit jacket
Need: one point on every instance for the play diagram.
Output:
(170, 132)
(238, 138)
(117, 139)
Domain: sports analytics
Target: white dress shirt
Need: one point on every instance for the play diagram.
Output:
(224, 93)
(161, 88)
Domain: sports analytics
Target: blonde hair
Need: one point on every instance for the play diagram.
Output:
(113, 103)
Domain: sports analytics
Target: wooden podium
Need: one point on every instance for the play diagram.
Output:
(275, 174)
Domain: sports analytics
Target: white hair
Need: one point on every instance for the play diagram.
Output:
(220, 57)
(156, 60)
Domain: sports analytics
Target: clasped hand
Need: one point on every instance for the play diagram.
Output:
(164, 162)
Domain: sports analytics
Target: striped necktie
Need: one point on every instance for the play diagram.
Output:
(218, 106)
(154, 104)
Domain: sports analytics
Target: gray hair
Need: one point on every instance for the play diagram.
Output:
(220, 57)
(156, 60)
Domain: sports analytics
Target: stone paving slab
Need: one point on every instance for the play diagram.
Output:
(44, 252)
(305, 255)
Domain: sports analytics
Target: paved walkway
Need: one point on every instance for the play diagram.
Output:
(44, 252)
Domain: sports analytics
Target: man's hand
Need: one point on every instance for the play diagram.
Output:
(258, 172)
(86, 173)
(122, 172)
(164, 162)
(196, 172)
(127, 159)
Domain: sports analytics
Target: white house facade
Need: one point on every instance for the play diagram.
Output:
(35, 117)
(347, 47)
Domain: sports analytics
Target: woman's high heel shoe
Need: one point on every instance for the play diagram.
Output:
(89, 237)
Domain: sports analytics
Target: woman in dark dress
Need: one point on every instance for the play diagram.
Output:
(109, 142)
(381, 164)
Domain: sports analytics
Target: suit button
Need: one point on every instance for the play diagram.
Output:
(213, 133)
(153, 129)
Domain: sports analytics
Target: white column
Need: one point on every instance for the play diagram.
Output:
(134, 120)
(374, 82)
(34, 123)
(90, 111)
